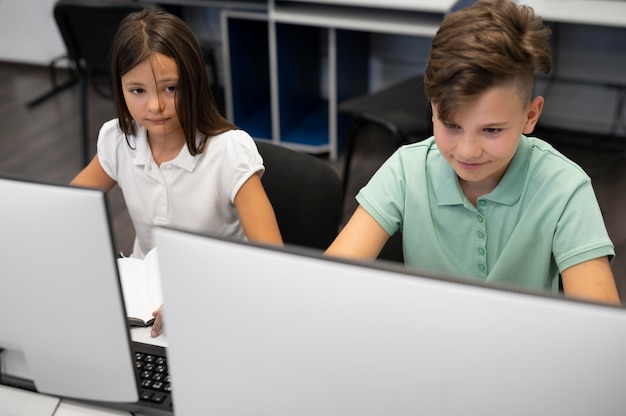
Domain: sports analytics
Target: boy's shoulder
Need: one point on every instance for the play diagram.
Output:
(425, 145)
(545, 154)
(540, 147)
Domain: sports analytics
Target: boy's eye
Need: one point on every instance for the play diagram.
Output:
(451, 126)
(493, 130)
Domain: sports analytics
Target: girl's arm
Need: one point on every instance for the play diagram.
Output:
(256, 213)
(93, 176)
(362, 238)
(591, 280)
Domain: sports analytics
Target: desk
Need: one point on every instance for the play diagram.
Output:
(21, 402)
(17, 402)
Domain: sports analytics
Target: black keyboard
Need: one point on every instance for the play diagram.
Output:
(155, 389)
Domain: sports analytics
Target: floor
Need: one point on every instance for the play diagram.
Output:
(43, 142)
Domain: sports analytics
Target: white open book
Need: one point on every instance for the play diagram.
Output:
(141, 285)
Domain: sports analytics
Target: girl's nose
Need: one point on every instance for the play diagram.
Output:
(155, 103)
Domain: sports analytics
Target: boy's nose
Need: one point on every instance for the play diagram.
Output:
(469, 147)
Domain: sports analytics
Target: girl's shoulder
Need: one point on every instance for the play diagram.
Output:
(235, 139)
(233, 134)
(111, 127)
(111, 133)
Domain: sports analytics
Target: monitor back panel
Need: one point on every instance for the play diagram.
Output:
(61, 303)
(253, 330)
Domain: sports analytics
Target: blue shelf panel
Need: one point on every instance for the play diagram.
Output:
(310, 130)
(250, 75)
(258, 123)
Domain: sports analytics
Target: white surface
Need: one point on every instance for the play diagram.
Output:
(141, 285)
(28, 32)
(592, 12)
(74, 409)
(16, 402)
(143, 335)
(441, 6)
(302, 335)
(397, 22)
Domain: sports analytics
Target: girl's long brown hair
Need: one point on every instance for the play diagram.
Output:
(150, 31)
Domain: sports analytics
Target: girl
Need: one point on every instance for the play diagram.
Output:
(177, 161)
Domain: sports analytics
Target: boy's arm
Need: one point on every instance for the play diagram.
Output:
(362, 238)
(591, 280)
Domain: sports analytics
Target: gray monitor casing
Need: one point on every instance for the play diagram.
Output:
(61, 304)
(264, 331)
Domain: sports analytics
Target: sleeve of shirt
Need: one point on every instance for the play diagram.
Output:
(242, 161)
(383, 196)
(581, 234)
(107, 147)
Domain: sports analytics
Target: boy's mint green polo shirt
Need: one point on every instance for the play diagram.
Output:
(542, 218)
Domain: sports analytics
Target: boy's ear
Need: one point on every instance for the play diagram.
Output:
(533, 111)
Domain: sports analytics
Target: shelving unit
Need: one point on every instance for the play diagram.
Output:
(295, 103)
(286, 69)
(247, 80)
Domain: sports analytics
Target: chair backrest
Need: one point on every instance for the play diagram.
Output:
(306, 194)
(88, 27)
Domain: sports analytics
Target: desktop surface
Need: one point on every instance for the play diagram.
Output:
(280, 332)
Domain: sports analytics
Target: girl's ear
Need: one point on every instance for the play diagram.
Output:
(533, 111)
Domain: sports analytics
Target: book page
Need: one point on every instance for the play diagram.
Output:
(141, 285)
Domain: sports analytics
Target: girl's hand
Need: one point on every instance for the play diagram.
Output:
(157, 327)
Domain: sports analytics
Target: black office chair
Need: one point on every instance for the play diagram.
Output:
(306, 195)
(402, 108)
(87, 28)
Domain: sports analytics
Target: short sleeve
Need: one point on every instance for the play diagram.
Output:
(581, 234)
(242, 160)
(108, 143)
(383, 196)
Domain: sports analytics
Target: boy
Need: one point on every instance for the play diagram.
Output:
(480, 199)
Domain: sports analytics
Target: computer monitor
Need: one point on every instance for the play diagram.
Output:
(260, 330)
(62, 317)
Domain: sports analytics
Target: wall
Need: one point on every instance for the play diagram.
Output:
(28, 33)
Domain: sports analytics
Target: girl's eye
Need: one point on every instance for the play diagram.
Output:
(170, 88)
(136, 91)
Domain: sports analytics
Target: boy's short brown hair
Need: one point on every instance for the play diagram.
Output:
(491, 43)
